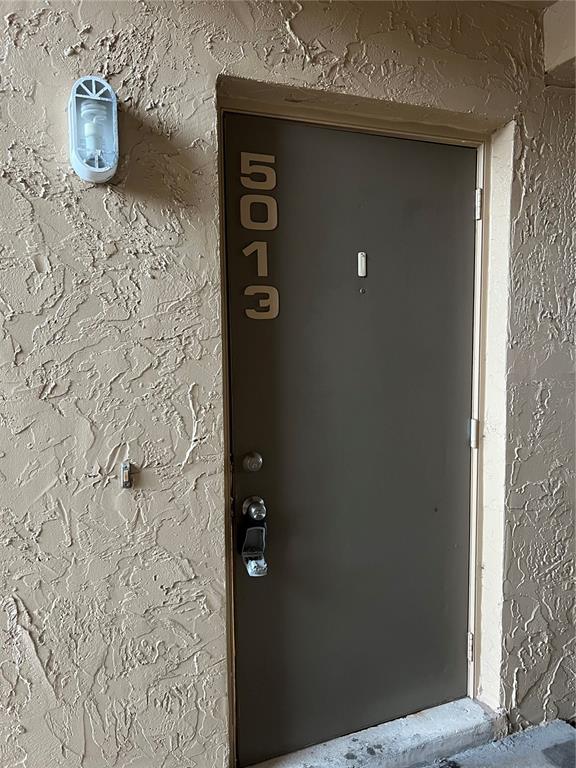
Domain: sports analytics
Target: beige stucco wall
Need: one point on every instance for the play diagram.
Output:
(113, 636)
(540, 644)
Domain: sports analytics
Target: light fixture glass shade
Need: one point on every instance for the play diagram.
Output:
(93, 129)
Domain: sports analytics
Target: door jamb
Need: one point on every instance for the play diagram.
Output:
(396, 129)
(228, 498)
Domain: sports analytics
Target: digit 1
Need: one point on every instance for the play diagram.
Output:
(261, 249)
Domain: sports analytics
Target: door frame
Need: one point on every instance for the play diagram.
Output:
(405, 129)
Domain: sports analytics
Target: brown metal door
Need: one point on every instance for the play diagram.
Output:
(356, 393)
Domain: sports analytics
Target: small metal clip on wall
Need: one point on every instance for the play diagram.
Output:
(125, 475)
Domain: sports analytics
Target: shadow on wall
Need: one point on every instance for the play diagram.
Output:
(155, 167)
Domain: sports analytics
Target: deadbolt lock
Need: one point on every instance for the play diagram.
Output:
(252, 462)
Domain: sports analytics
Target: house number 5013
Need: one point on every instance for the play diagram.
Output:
(258, 174)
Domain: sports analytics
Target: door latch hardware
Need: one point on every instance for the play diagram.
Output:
(254, 536)
(125, 475)
(254, 507)
(253, 550)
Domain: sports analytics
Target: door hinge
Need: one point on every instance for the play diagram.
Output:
(470, 647)
(478, 204)
(474, 433)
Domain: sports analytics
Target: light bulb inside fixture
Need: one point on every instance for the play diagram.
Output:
(93, 114)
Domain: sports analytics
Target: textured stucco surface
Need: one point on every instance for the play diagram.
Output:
(113, 633)
(540, 644)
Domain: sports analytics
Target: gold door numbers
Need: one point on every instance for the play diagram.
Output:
(258, 174)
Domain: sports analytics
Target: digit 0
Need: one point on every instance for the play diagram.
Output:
(247, 203)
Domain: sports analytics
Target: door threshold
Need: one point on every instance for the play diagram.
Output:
(412, 741)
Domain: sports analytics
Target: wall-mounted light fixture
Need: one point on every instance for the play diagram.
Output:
(93, 129)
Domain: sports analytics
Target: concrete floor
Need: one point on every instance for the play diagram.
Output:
(463, 729)
(548, 746)
(416, 740)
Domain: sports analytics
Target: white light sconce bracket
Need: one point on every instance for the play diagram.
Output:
(93, 129)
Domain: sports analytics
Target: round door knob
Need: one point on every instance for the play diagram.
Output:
(254, 507)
